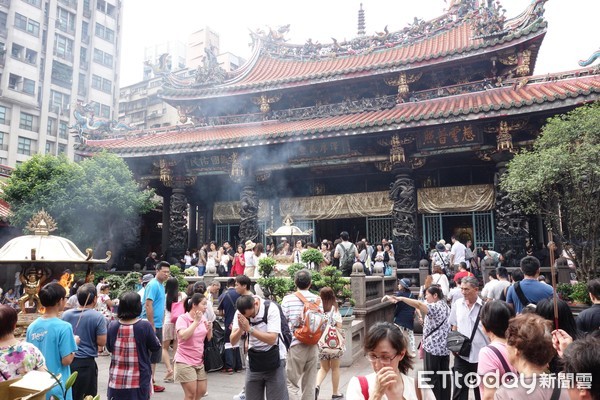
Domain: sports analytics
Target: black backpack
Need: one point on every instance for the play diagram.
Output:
(286, 334)
(347, 258)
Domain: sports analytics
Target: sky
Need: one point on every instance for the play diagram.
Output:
(572, 25)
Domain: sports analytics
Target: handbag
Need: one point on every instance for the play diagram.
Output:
(332, 342)
(214, 349)
(388, 270)
(177, 309)
(459, 343)
(263, 361)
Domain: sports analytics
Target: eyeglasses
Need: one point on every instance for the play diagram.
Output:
(383, 359)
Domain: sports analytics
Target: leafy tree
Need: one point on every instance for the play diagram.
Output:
(95, 203)
(560, 178)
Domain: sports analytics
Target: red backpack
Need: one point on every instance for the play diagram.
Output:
(312, 322)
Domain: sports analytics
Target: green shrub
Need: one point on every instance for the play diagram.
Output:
(312, 256)
(266, 266)
(580, 293)
(276, 288)
(293, 268)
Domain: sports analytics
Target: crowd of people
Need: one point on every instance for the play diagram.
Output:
(505, 339)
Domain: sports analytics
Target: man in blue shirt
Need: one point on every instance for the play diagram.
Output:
(90, 326)
(54, 337)
(529, 290)
(227, 299)
(154, 310)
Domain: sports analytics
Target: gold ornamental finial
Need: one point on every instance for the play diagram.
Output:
(41, 224)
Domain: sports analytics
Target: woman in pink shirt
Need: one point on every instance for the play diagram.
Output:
(493, 359)
(192, 327)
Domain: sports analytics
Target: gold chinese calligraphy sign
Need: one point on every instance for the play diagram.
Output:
(444, 137)
(455, 199)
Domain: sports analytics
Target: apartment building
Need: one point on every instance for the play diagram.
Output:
(53, 54)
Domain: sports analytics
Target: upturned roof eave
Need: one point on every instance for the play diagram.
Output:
(226, 90)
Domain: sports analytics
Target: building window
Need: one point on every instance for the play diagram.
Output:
(51, 128)
(3, 113)
(31, 56)
(49, 147)
(63, 47)
(28, 86)
(3, 20)
(62, 75)
(14, 81)
(62, 149)
(65, 20)
(102, 84)
(103, 58)
(105, 33)
(2, 135)
(24, 146)
(26, 121)
(17, 51)
(83, 57)
(36, 3)
(59, 102)
(105, 8)
(28, 25)
(63, 130)
(104, 111)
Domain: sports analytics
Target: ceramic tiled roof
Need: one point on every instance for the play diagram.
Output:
(271, 72)
(541, 93)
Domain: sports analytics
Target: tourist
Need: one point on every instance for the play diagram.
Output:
(302, 359)
(494, 319)
(330, 362)
(464, 317)
(225, 259)
(131, 341)
(11, 299)
(435, 332)
(72, 302)
(145, 280)
(212, 294)
(186, 261)
(581, 358)
(361, 247)
(284, 248)
(498, 291)
(589, 319)
(438, 278)
(227, 308)
(470, 256)
(404, 315)
(192, 328)
(228, 250)
(488, 287)
(457, 253)
(250, 266)
(529, 349)
(154, 311)
(462, 271)
(346, 252)
(213, 257)
(104, 304)
(489, 254)
(381, 258)
(297, 253)
(202, 258)
(258, 255)
(17, 357)
(243, 285)
(238, 262)
(529, 290)
(325, 250)
(389, 250)
(455, 292)
(566, 323)
(54, 337)
(441, 258)
(90, 326)
(150, 262)
(386, 349)
(265, 378)
(172, 296)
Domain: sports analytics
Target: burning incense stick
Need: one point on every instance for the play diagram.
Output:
(551, 248)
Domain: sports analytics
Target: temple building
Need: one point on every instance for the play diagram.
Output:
(400, 135)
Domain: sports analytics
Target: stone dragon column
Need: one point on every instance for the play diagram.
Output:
(241, 172)
(178, 222)
(404, 212)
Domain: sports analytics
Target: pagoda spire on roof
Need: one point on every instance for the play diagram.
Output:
(361, 21)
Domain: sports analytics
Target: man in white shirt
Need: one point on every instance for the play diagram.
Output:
(488, 289)
(303, 359)
(345, 249)
(463, 315)
(457, 253)
(263, 331)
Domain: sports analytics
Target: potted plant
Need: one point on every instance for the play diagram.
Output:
(312, 258)
(332, 277)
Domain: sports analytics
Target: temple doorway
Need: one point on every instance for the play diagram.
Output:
(475, 226)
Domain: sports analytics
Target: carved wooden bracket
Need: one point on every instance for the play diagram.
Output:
(264, 101)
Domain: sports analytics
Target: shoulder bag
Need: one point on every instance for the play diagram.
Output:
(459, 343)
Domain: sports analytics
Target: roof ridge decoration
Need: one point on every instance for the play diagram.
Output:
(591, 59)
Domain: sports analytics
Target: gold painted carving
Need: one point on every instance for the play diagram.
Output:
(455, 199)
(265, 100)
(402, 82)
(229, 211)
(41, 224)
(524, 68)
(353, 205)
